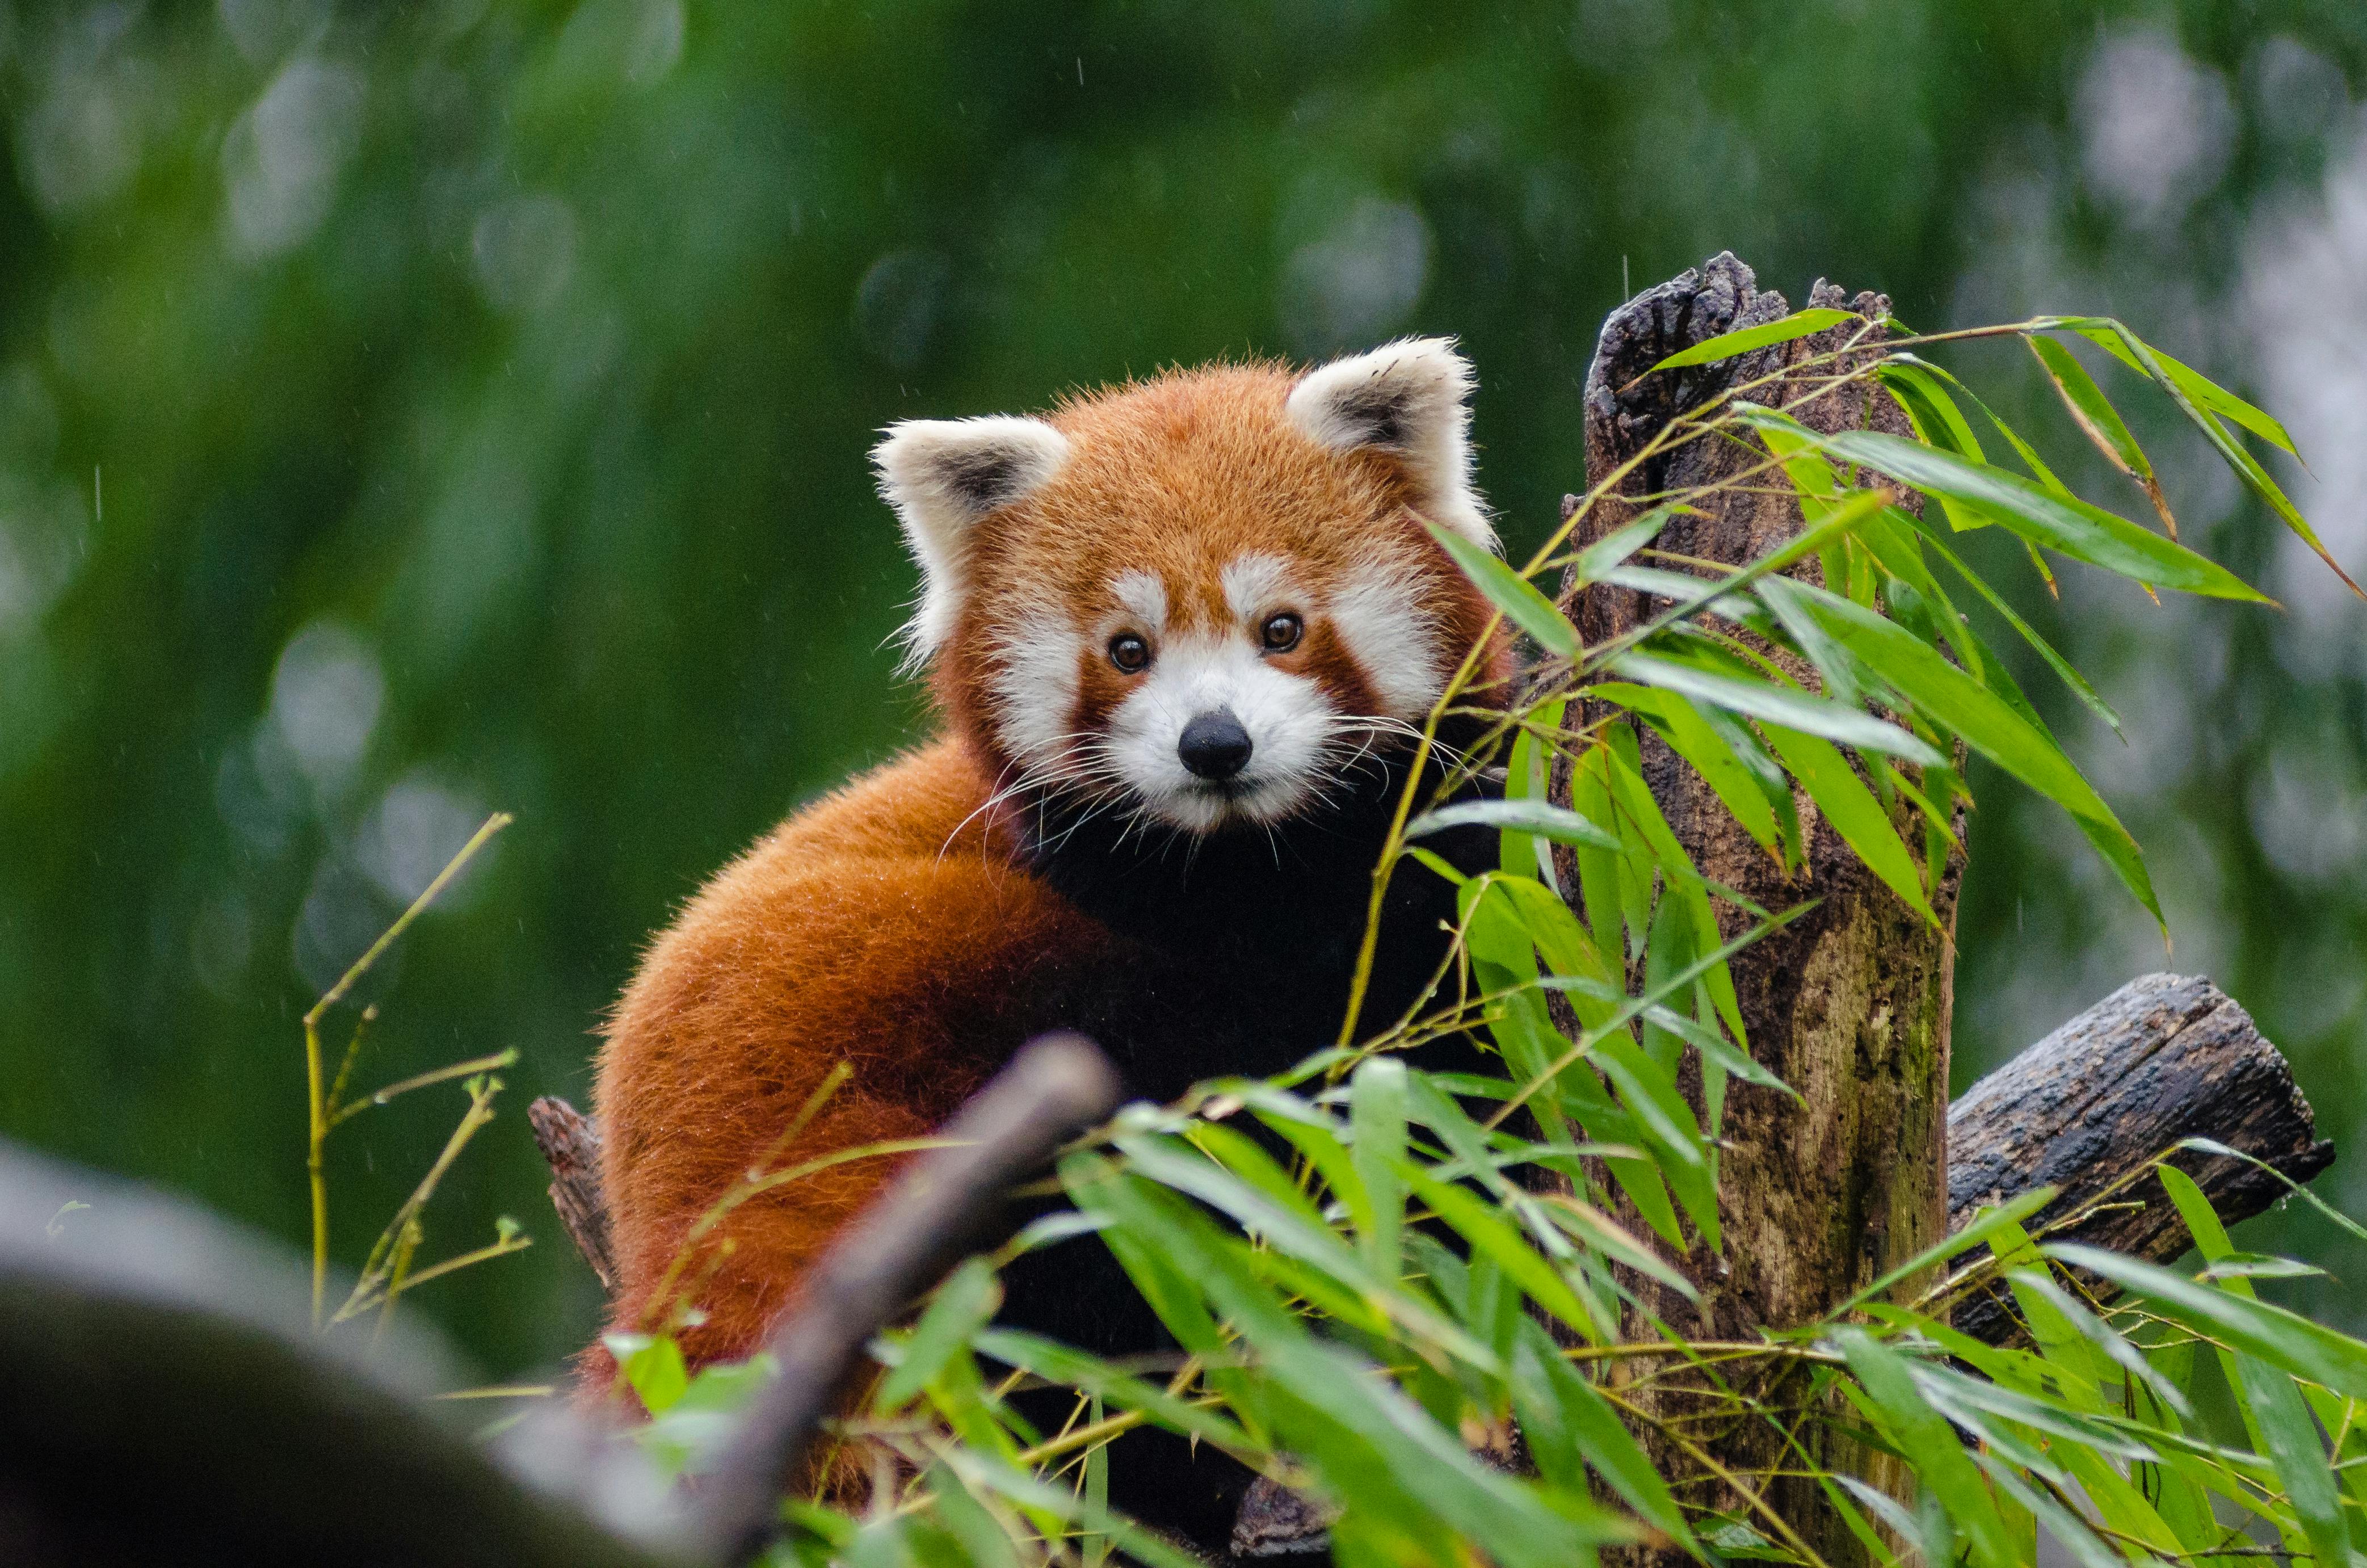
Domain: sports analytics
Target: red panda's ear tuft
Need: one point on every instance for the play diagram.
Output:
(1410, 398)
(942, 476)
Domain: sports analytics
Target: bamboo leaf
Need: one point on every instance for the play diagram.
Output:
(1569, 1427)
(1853, 812)
(2063, 524)
(1784, 705)
(1712, 755)
(958, 1309)
(2202, 402)
(1925, 1437)
(1726, 345)
(2045, 650)
(1377, 1112)
(2270, 1333)
(1523, 604)
(1519, 814)
(2120, 342)
(2099, 421)
(1611, 551)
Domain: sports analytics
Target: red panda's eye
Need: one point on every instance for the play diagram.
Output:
(1130, 654)
(1281, 633)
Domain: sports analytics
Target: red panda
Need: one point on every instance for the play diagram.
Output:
(1179, 633)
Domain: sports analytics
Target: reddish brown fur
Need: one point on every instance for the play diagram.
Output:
(887, 926)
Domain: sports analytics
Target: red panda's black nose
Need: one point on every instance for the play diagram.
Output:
(1214, 745)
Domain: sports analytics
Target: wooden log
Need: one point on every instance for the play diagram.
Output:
(570, 1142)
(1849, 1005)
(2088, 1108)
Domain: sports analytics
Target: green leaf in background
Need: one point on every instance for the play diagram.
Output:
(2099, 421)
(1523, 604)
(1726, 345)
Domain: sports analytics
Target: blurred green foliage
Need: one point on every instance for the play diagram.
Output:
(410, 411)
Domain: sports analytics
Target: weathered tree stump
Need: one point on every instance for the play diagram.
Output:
(1849, 1005)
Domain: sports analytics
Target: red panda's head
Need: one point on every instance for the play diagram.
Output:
(1204, 598)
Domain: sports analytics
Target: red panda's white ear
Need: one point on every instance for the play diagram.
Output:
(1410, 398)
(943, 475)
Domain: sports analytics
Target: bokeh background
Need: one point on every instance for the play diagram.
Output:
(413, 410)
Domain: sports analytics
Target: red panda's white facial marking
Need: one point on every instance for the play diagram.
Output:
(1202, 600)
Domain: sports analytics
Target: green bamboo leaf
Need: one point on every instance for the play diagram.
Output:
(1783, 705)
(1611, 551)
(1519, 598)
(2184, 386)
(1521, 815)
(2069, 1529)
(1376, 1100)
(1057, 1363)
(1986, 1225)
(2100, 1335)
(1490, 1237)
(1569, 1427)
(1561, 940)
(1987, 723)
(1715, 1047)
(2099, 421)
(1853, 812)
(2267, 1332)
(984, 1542)
(1925, 1437)
(2299, 1454)
(1287, 1228)
(2117, 340)
(2066, 524)
(1712, 755)
(1938, 422)
(958, 1309)
(1726, 345)
(2045, 650)
(653, 1366)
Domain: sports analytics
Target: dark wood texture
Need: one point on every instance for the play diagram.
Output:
(1849, 1005)
(948, 1199)
(2165, 1057)
(570, 1142)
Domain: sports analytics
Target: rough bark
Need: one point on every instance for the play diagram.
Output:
(570, 1142)
(1849, 1005)
(2087, 1109)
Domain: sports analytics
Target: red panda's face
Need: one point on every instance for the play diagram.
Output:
(1202, 601)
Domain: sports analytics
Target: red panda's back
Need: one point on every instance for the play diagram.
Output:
(882, 927)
